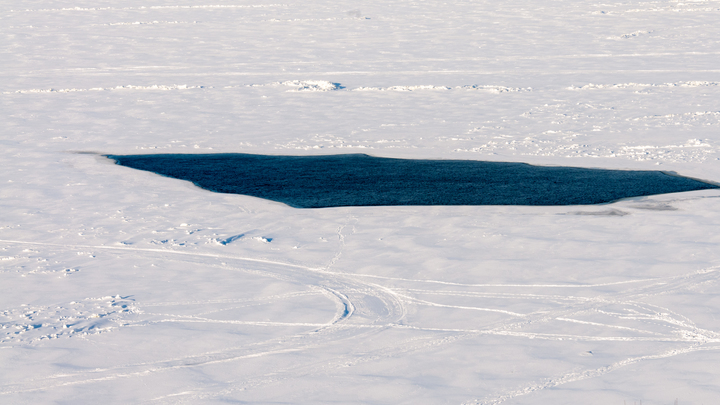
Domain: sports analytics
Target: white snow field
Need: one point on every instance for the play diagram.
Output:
(119, 286)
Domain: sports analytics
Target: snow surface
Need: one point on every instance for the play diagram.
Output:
(120, 286)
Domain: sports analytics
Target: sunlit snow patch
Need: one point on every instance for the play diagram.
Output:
(362, 180)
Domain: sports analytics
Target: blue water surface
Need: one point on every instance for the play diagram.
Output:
(362, 180)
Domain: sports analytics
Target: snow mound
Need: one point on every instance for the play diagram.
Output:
(229, 240)
(311, 85)
(631, 35)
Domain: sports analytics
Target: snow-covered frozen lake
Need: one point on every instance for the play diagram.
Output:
(119, 286)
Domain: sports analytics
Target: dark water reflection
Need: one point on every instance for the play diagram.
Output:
(362, 180)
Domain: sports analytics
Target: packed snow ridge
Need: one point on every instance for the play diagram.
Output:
(489, 88)
(149, 23)
(591, 86)
(209, 6)
(298, 85)
(127, 87)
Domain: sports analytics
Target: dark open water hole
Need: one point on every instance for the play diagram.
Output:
(362, 180)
